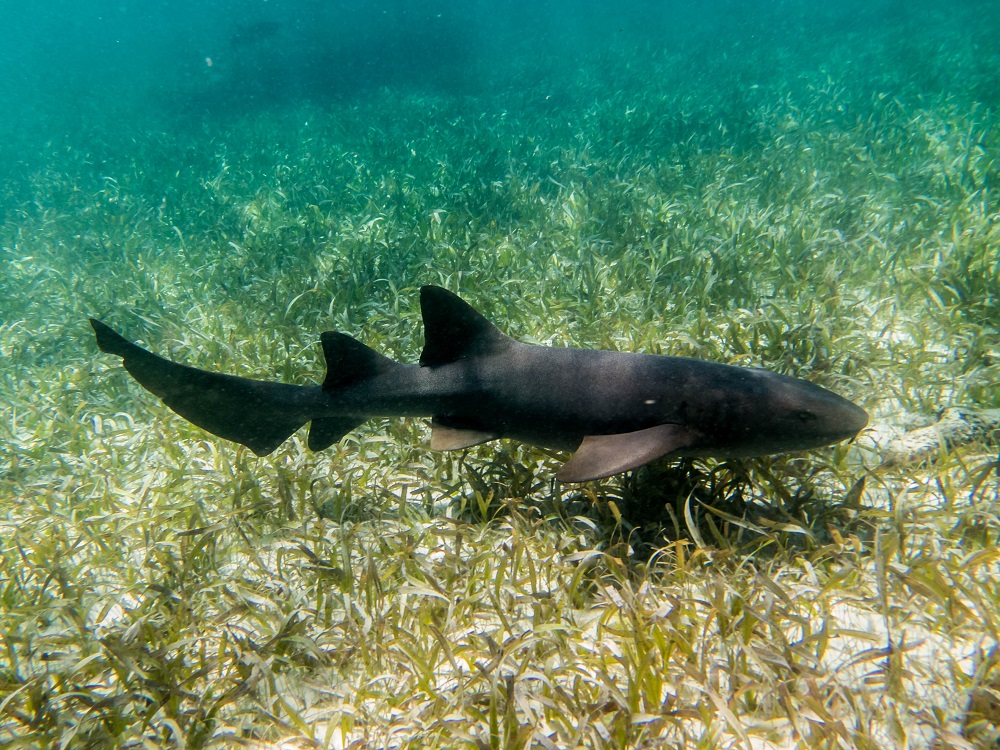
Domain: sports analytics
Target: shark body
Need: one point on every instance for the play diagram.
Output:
(617, 411)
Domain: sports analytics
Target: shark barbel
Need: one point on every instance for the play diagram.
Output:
(617, 411)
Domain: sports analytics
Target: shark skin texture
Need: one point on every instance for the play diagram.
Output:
(615, 411)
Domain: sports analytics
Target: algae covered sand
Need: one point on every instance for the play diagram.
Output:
(817, 196)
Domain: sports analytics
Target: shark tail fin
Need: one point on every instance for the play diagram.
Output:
(255, 413)
(348, 361)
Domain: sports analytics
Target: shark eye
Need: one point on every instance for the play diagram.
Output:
(805, 416)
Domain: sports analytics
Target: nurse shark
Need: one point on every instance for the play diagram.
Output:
(615, 411)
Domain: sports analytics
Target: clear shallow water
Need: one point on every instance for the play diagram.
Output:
(215, 58)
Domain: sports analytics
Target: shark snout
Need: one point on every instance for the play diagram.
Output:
(832, 418)
(810, 416)
(855, 420)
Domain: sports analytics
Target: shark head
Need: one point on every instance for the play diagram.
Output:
(771, 413)
(794, 415)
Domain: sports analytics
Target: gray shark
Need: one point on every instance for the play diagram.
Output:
(616, 411)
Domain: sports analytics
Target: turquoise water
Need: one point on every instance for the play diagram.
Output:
(119, 113)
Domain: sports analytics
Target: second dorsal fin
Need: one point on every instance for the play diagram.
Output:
(453, 330)
(349, 361)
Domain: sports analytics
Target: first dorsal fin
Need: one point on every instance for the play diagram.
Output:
(349, 361)
(453, 330)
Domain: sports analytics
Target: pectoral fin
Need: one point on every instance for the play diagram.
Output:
(601, 456)
(447, 435)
